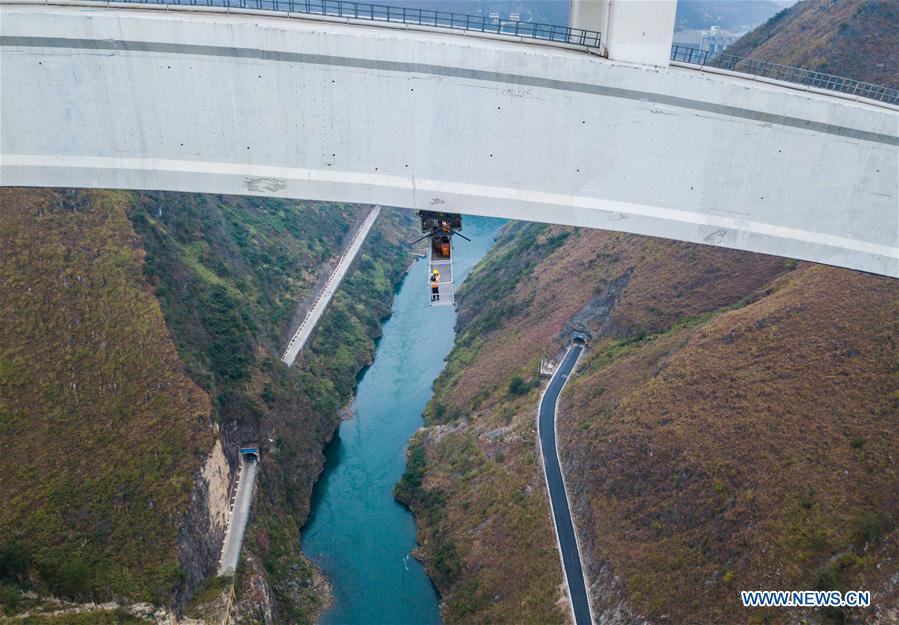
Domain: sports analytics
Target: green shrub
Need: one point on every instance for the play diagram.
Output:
(446, 562)
(10, 599)
(519, 387)
(70, 578)
(807, 499)
(410, 483)
(869, 527)
(14, 563)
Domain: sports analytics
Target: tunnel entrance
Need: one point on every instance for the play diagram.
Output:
(580, 338)
(249, 451)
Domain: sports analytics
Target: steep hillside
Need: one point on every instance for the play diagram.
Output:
(476, 484)
(158, 320)
(732, 427)
(103, 430)
(753, 448)
(228, 273)
(852, 38)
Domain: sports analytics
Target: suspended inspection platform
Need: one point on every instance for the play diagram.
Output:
(439, 229)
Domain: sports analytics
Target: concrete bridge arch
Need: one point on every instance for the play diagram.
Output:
(245, 102)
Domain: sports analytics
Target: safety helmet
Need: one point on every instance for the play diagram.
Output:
(435, 271)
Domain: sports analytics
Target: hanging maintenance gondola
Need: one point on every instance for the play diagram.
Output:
(439, 229)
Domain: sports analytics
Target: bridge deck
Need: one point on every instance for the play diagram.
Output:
(249, 103)
(362, 13)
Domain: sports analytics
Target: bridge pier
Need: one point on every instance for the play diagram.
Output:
(635, 31)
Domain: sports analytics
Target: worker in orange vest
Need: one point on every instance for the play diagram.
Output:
(435, 281)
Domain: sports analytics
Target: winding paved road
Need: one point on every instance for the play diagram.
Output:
(571, 559)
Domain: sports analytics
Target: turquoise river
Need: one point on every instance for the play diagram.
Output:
(357, 533)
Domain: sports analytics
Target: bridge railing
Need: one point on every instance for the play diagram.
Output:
(810, 78)
(544, 32)
(406, 15)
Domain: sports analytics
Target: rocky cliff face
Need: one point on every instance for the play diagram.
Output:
(202, 531)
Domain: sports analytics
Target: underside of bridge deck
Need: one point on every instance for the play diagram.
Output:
(263, 104)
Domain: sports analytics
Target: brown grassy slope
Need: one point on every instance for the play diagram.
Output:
(485, 527)
(636, 285)
(852, 38)
(485, 532)
(756, 450)
(103, 432)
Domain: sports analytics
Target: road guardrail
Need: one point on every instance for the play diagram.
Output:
(785, 73)
(405, 15)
